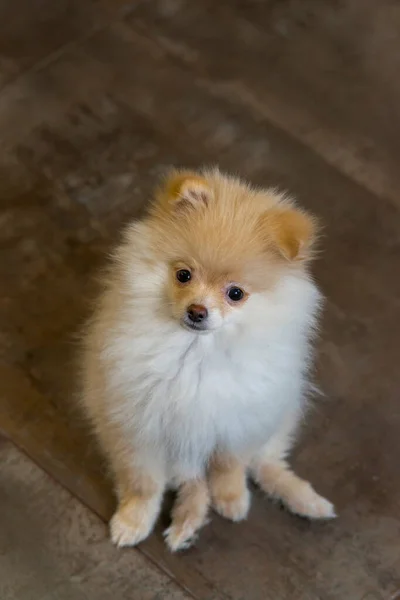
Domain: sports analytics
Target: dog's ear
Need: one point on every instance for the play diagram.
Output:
(185, 189)
(291, 231)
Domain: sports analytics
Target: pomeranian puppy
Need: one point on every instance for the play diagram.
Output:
(196, 359)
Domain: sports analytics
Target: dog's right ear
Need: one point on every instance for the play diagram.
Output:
(183, 190)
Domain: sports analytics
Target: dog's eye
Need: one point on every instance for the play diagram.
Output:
(235, 294)
(183, 275)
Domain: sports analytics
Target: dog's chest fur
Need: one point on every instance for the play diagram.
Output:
(186, 395)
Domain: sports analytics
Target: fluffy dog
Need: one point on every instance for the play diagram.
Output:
(196, 358)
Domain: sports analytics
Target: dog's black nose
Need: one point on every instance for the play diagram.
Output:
(197, 313)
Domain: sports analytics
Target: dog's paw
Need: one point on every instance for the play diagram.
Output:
(234, 506)
(304, 501)
(129, 527)
(180, 536)
(188, 515)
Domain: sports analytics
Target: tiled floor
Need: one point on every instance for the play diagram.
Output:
(54, 548)
(96, 98)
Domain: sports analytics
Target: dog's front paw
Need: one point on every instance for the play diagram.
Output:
(304, 501)
(131, 524)
(181, 536)
(230, 496)
(233, 506)
(188, 516)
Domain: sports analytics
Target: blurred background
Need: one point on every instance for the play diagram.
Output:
(97, 98)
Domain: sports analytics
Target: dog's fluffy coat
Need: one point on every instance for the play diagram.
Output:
(200, 410)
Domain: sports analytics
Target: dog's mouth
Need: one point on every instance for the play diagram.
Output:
(196, 327)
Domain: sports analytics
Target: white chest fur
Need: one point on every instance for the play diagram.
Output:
(182, 394)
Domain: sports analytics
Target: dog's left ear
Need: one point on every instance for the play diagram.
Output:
(291, 231)
(185, 190)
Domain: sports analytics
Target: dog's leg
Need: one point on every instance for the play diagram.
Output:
(188, 515)
(139, 503)
(272, 473)
(228, 487)
(278, 481)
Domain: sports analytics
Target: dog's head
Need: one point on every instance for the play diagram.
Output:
(224, 244)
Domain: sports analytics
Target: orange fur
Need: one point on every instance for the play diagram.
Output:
(240, 222)
(293, 232)
(272, 232)
(181, 189)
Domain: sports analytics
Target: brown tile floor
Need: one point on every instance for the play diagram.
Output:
(54, 548)
(96, 98)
